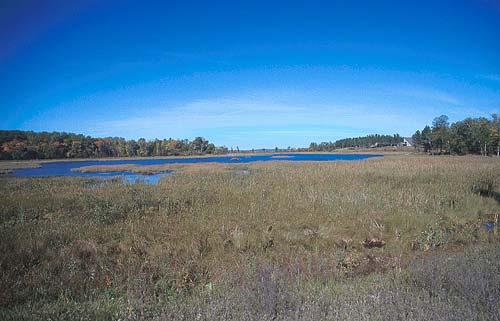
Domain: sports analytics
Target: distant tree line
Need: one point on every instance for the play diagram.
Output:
(469, 136)
(375, 140)
(16, 145)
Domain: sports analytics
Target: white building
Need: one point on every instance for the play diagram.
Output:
(407, 141)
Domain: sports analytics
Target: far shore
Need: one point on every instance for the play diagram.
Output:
(6, 166)
(383, 151)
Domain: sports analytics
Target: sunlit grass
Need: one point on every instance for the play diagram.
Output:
(68, 244)
(155, 169)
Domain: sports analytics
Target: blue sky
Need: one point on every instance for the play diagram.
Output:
(250, 74)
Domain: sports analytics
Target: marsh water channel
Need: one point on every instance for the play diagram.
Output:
(67, 168)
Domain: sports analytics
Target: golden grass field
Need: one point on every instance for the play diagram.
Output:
(205, 237)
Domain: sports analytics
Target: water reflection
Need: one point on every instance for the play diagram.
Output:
(144, 179)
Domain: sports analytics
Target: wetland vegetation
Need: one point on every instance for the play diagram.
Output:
(399, 237)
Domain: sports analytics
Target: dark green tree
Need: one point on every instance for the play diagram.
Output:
(440, 133)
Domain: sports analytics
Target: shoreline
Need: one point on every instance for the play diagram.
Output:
(241, 154)
(106, 164)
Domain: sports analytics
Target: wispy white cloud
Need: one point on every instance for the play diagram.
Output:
(490, 77)
(271, 117)
(428, 94)
(261, 118)
(237, 112)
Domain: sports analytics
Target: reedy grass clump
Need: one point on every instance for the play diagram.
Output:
(155, 169)
(6, 167)
(70, 246)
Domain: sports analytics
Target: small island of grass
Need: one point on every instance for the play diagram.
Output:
(157, 169)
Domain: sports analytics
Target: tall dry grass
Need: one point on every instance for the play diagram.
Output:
(73, 245)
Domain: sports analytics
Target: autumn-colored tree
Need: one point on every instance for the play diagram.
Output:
(16, 144)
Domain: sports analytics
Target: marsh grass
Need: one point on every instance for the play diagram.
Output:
(155, 169)
(207, 240)
(6, 167)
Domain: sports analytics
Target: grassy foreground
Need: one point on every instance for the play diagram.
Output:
(395, 238)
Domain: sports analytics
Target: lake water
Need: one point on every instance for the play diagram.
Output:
(64, 168)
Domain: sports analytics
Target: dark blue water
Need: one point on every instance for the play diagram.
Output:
(489, 226)
(64, 168)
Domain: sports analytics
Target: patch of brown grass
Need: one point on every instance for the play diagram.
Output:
(206, 225)
(154, 169)
(6, 167)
